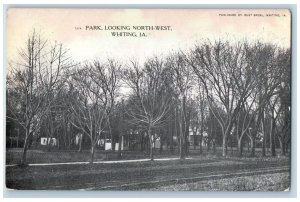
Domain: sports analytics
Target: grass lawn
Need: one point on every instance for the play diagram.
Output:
(13, 156)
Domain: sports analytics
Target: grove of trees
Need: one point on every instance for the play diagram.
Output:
(230, 93)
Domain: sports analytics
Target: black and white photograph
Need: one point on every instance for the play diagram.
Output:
(141, 99)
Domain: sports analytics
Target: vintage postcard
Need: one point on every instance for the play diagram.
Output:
(148, 99)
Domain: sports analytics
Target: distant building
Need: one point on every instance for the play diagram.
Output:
(49, 141)
(105, 143)
(194, 138)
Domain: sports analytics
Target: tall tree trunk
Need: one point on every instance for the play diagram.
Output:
(186, 144)
(151, 144)
(181, 150)
(80, 143)
(57, 142)
(161, 145)
(18, 137)
(263, 153)
(92, 152)
(24, 152)
(201, 132)
(240, 148)
(173, 131)
(224, 145)
(264, 137)
(195, 139)
(111, 136)
(120, 146)
(65, 132)
(231, 148)
(272, 138)
(282, 146)
(187, 133)
(200, 143)
(201, 124)
(252, 142)
(214, 146)
(181, 138)
(181, 143)
(69, 137)
(142, 144)
(209, 141)
(287, 147)
(171, 144)
(25, 146)
(183, 125)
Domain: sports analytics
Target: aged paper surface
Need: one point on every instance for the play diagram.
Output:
(148, 99)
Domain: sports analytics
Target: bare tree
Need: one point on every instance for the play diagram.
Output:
(96, 85)
(202, 111)
(150, 98)
(182, 78)
(282, 109)
(217, 65)
(262, 57)
(34, 79)
(263, 60)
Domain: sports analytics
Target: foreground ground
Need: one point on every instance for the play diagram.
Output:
(202, 173)
(265, 182)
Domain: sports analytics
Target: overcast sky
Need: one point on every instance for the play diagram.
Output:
(187, 26)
